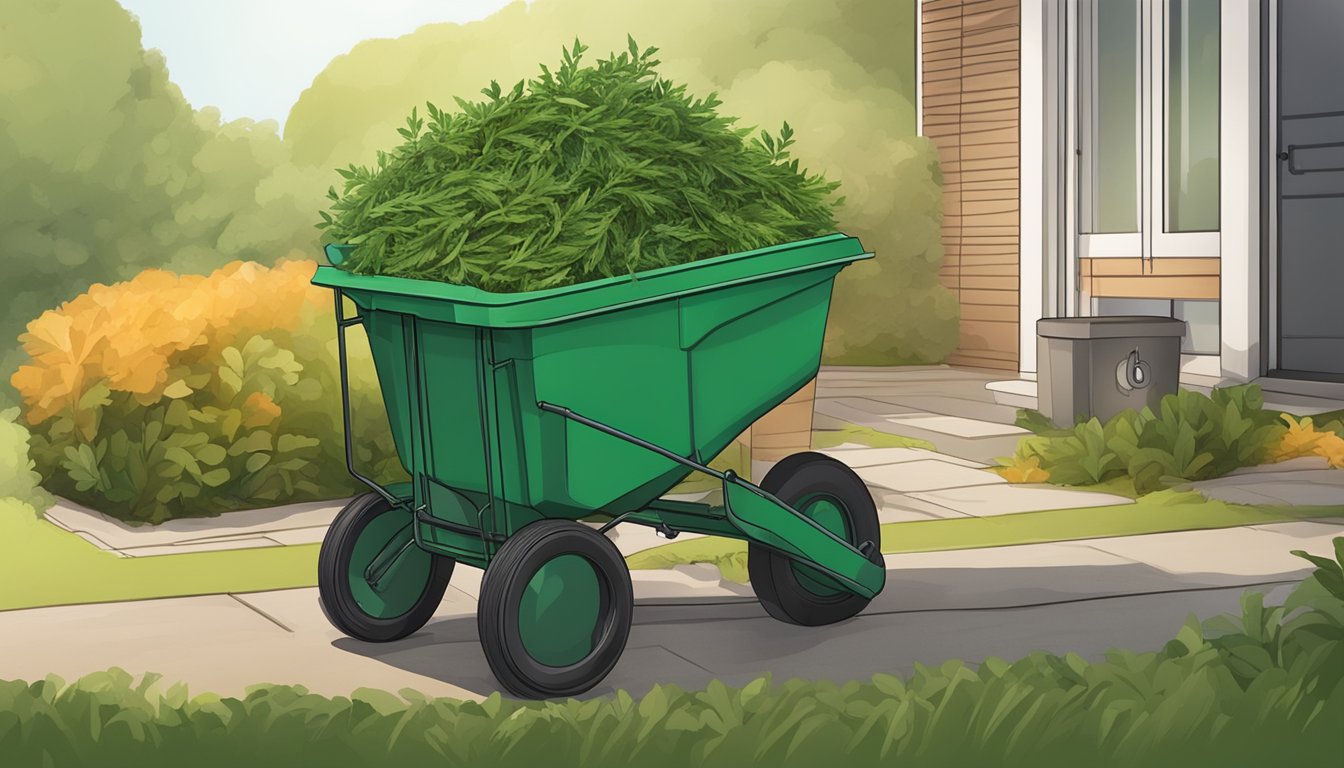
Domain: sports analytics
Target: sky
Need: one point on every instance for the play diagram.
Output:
(252, 58)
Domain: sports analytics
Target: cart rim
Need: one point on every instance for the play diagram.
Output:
(828, 512)
(403, 583)
(559, 615)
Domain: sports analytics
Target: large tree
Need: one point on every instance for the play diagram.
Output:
(841, 73)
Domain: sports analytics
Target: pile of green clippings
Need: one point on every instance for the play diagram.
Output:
(584, 173)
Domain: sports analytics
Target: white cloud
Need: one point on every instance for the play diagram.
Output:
(252, 58)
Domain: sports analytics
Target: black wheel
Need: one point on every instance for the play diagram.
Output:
(830, 494)
(555, 609)
(373, 582)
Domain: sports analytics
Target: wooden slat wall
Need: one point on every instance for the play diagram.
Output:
(1164, 278)
(971, 108)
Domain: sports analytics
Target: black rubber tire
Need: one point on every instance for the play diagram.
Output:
(333, 585)
(798, 477)
(502, 587)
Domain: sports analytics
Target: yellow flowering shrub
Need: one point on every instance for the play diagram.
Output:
(185, 395)
(1303, 438)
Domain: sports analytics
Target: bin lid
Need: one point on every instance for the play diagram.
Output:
(1113, 327)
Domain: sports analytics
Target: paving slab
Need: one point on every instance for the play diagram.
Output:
(299, 536)
(870, 407)
(1299, 464)
(909, 503)
(1302, 487)
(683, 582)
(861, 456)
(956, 425)
(1299, 470)
(1003, 499)
(964, 407)
(903, 373)
(1049, 555)
(893, 513)
(214, 643)
(243, 523)
(925, 475)
(187, 547)
(1234, 551)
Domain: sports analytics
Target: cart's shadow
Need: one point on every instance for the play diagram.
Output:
(449, 649)
(925, 615)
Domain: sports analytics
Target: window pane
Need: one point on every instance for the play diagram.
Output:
(1107, 307)
(1192, 116)
(1202, 326)
(1111, 155)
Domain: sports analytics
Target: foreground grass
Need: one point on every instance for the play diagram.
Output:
(1263, 688)
(1160, 512)
(41, 564)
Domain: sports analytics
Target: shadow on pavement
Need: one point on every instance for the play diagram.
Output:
(924, 616)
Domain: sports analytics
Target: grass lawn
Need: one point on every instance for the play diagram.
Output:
(41, 564)
(1160, 512)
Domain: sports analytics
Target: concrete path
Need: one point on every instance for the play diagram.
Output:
(1084, 597)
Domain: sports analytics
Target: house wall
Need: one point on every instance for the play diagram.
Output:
(970, 62)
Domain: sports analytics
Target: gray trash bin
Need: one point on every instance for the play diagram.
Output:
(1099, 366)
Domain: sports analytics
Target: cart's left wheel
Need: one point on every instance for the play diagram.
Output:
(373, 582)
(555, 609)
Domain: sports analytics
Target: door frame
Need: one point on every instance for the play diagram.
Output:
(1273, 211)
(1243, 228)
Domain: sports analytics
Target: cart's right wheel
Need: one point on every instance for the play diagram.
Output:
(832, 495)
(555, 609)
(400, 599)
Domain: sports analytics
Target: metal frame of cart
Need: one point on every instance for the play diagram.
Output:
(517, 415)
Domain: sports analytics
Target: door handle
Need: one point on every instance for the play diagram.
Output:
(1325, 157)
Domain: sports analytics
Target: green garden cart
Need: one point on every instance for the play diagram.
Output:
(516, 416)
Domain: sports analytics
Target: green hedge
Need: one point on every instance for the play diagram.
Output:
(1267, 687)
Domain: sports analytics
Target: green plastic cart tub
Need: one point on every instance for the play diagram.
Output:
(507, 409)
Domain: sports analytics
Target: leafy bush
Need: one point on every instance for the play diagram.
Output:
(586, 173)
(170, 396)
(1270, 690)
(1192, 437)
(18, 479)
(1307, 630)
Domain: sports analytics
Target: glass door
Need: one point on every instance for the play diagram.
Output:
(1146, 159)
(1186, 125)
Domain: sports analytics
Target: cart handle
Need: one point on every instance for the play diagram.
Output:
(342, 323)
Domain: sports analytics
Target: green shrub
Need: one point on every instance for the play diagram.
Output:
(1191, 437)
(1269, 690)
(170, 396)
(18, 478)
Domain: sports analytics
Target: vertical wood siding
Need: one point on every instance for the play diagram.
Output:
(971, 110)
